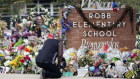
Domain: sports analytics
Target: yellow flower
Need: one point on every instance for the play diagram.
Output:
(16, 62)
(136, 51)
(1, 55)
(11, 63)
(72, 54)
(58, 22)
(18, 65)
(30, 48)
(4, 47)
(20, 56)
(13, 66)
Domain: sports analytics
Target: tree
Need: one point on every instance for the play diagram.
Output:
(5, 6)
(133, 3)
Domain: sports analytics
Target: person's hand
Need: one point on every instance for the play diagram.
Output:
(58, 65)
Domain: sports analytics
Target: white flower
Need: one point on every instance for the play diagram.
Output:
(8, 57)
(65, 7)
(1, 51)
(25, 63)
(30, 56)
(48, 13)
(31, 8)
(31, 13)
(46, 10)
(46, 23)
(26, 53)
(43, 9)
(26, 41)
(36, 53)
(24, 21)
(7, 69)
(16, 49)
(7, 52)
(11, 22)
(7, 63)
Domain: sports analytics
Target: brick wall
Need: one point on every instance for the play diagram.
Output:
(124, 34)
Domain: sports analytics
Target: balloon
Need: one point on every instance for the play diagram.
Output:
(114, 9)
(97, 72)
(19, 42)
(92, 68)
(102, 55)
(44, 26)
(114, 5)
(100, 67)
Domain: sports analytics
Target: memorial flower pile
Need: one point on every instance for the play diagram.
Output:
(112, 63)
(23, 41)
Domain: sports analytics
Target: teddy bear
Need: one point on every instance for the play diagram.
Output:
(121, 69)
(110, 71)
(71, 69)
(124, 49)
(73, 65)
(4, 70)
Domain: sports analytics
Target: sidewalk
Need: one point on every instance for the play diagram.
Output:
(33, 76)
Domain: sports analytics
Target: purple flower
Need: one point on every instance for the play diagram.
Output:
(25, 13)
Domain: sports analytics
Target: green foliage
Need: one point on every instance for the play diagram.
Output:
(69, 2)
(5, 6)
(20, 68)
(133, 3)
(86, 60)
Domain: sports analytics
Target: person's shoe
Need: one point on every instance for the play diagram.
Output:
(42, 74)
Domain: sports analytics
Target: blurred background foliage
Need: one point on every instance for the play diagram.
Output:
(5, 5)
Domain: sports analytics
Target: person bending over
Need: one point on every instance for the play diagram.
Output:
(51, 49)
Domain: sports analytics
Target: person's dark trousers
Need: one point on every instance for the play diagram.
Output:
(51, 70)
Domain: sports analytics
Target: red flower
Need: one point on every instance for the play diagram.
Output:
(22, 60)
(133, 55)
(29, 18)
(114, 9)
(27, 50)
(30, 23)
(22, 47)
(32, 43)
(27, 58)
